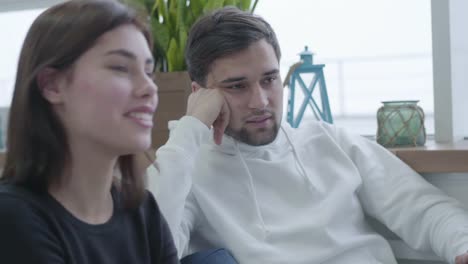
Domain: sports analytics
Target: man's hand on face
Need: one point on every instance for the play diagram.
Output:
(462, 259)
(209, 106)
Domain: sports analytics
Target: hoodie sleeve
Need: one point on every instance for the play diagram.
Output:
(171, 178)
(393, 193)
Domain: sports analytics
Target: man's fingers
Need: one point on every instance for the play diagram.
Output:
(220, 124)
(226, 114)
(462, 259)
(209, 106)
(218, 136)
(205, 105)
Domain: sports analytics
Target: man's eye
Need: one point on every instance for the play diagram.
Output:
(236, 86)
(269, 79)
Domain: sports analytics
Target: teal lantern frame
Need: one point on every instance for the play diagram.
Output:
(320, 110)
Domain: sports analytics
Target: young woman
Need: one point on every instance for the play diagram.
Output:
(82, 107)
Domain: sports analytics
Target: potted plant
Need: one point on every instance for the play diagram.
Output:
(171, 21)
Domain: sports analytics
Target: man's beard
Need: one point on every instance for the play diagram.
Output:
(259, 137)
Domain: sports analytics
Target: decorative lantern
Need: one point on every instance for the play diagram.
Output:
(321, 110)
(400, 123)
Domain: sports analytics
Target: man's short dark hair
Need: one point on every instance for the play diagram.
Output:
(221, 33)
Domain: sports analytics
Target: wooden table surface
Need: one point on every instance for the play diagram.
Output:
(432, 158)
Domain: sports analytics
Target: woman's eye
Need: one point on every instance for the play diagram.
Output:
(119, 68)
(150, 75)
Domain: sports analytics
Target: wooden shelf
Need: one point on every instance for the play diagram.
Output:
(436, 157)
(432, 158)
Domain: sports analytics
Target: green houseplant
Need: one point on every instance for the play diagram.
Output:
(172, 19)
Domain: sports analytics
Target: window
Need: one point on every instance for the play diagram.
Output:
(14, 26)
(373, 51)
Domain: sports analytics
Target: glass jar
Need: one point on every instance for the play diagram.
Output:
(400, 123)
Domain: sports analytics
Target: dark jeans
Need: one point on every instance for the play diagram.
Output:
(215, 256)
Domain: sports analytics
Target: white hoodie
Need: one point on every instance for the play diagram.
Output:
(300, 199)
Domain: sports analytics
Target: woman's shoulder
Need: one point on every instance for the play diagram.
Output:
(159, 229)
(25, 227)
(21, 210)
(17, 202)
(150, 211)
(149, 205)
(17, 197)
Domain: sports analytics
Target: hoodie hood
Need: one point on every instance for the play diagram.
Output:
(276, 148)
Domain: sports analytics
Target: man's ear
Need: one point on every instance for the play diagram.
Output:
(48, 84)
(195, 86)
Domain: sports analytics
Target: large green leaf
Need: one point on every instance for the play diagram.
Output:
(181, 10)
(162, 10)
(196, 8)
(154, 7)
(161, 42)
(229, 2)
(172, 52)
(161, 34)
(212, 5)
(183, 34)
(244, 4)
(172, 19)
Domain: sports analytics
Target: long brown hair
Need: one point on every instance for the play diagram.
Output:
(37, 147)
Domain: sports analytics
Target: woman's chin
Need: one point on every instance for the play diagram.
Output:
(138, 146)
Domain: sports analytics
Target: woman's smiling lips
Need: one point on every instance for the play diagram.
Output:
(142, 115)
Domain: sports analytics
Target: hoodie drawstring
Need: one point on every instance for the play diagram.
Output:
(298, 160)
(251, 184)
(252, 191)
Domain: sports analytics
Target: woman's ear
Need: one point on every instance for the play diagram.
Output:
(48, 84)
(195, 86)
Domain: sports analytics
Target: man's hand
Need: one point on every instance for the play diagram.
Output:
(462, 259)
(209, 106)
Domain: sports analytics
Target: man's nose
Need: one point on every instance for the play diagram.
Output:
(258, 97)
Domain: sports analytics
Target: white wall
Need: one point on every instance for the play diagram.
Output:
(450, 64)
(459, 55)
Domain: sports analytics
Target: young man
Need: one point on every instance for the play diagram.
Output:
(273, 194)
